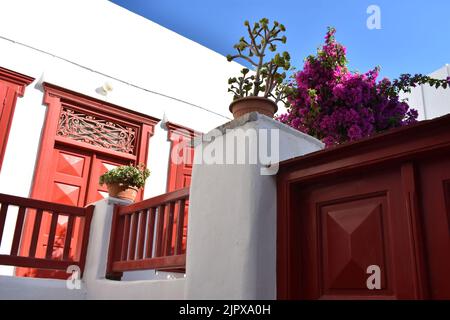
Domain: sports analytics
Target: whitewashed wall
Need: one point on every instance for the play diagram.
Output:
(429, 101)
(231, 248)
(80, 45)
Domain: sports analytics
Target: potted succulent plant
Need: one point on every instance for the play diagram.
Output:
(124, 182)
(262, 89)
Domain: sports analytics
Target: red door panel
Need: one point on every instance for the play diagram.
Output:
(73, 181)
(70, 178)
(347, 226)
(68, 185)
(352, 239)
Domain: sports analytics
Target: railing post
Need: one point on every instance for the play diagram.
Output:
(3, 212)
(87, 227)
(115, 244)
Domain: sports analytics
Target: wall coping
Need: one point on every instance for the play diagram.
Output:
(253, 117)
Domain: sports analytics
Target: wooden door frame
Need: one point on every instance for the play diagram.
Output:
(54, 98)
(401, 147)
(16, 82)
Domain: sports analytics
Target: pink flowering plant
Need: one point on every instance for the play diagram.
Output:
(336, 105)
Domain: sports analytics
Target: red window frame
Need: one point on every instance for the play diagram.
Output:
(14, 86)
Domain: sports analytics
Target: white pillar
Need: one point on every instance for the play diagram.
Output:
(99, 235)
(232, 216)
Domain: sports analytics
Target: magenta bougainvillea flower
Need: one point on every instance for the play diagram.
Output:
(336, 105)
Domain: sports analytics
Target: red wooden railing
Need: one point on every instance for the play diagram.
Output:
(149, 235)
(38, 210)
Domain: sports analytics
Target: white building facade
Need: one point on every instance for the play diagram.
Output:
(116, 69)
(429, 101)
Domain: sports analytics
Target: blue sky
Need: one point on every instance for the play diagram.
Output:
(414, 35)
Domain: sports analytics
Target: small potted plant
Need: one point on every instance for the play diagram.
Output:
(124, 182)
(262, 89)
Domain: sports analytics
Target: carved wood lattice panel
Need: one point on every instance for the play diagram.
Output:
(90, 129)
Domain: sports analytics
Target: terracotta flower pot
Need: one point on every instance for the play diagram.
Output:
(246, 105)
(120, 191)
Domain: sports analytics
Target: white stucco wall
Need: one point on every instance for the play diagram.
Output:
(14, 288)
(232, 219)
(80, 45)
(429, 101)
(107, 38)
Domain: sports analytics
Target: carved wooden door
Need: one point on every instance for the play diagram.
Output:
(73, 181)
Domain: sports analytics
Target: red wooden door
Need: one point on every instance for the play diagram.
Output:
(70, 176)
(12, 85)
(7, 97)
(82, 138)
(73, 181)
(383, 201)
(347, 226)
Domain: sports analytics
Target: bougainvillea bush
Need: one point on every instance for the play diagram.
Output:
(336, 105)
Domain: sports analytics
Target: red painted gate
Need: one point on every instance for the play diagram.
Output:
(384, 202)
